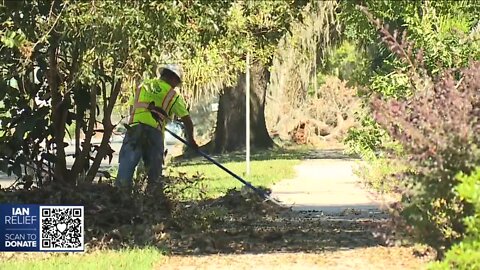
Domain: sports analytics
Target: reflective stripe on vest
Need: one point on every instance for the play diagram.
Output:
(136, 97)
(168, 100)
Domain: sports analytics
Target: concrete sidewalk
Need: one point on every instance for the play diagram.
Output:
(327, 186)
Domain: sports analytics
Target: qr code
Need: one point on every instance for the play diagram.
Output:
(61, 228)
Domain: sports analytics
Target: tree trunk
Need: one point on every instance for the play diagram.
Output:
(230, 130)
(59, 111)
(105, 148)
(82, 157)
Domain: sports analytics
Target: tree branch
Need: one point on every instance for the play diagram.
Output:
(105, 148)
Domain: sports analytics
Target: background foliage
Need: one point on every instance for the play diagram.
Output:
(424, 111)
(65, 64)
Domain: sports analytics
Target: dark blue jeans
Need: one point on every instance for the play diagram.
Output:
(141, 141)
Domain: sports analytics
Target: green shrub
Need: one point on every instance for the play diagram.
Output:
(373, 144)
(381, 174)
(466, 254)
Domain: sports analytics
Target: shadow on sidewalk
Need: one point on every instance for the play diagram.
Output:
(243, 224)
(278, 153)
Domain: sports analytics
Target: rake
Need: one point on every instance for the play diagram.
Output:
(258, 191)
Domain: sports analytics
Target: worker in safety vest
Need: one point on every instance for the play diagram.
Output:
(155, 101)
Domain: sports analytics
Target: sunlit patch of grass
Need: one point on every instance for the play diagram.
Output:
(216, 182)
(108, 259)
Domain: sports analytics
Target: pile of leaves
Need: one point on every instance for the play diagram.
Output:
(238, 222)
(115, 218)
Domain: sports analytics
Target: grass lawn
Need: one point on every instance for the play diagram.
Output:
(216, 182)
(126, 259)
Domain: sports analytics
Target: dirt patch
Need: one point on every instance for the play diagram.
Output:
(370, 258)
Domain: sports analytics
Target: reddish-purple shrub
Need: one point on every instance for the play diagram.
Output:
(438, 128)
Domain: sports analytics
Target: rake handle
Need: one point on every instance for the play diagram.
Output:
(258, 191)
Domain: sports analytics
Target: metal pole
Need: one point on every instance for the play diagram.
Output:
(247, 114)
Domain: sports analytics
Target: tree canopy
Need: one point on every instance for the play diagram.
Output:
(68, 62)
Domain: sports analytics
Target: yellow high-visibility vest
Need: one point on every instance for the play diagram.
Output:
(163, 95)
